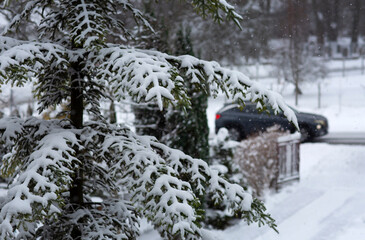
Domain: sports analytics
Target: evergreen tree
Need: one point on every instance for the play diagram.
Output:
(149, 119)
(184, 129)
(55, 166)
(188, 130)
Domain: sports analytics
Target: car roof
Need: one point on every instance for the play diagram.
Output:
(234, 103)
(230, 105)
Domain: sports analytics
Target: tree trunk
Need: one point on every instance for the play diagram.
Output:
(265, 5)
(112, 113)
(296, 97)
(76, 117)
(291, 20)
(355, 25)
(297, 20)
(319, 26)
(331, 17)
(268, 6)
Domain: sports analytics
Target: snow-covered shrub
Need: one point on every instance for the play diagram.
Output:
(222, 160)
(222, 156)
(258, 158)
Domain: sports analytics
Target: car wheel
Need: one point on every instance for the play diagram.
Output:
(305, 136)
(234, 134)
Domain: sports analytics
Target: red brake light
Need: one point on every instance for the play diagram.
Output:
(217, 116)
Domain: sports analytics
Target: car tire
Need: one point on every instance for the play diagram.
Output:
(234, 134)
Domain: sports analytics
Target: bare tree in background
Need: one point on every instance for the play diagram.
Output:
(296, 34)
(294, 63)
(355, 25)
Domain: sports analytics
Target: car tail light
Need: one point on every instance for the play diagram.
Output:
(217, 116)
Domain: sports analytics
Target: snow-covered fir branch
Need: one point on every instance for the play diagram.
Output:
(43, 172)
(57, 166)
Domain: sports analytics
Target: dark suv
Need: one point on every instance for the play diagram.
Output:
(242, 123)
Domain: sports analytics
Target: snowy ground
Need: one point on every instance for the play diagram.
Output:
(329, 201)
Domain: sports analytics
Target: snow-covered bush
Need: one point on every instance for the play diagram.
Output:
(56, 165)
(222, 156)
(222, 160)
(258, 158)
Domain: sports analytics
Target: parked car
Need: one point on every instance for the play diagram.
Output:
(242, 123)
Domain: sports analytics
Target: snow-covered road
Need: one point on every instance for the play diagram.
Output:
(327, 203)
(357, 138)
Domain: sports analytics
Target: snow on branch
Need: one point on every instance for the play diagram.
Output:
(137, 14)
(91, 21)
(158, 179)
(156, 191)
(150, 75)
(111, 219)
(161, 179)
(206, 180)
(86, 20)
(10, 129)
(34, 194)
(28, 10)
(219, 10)
(19, 59)
(145, 75)
(234, 84)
